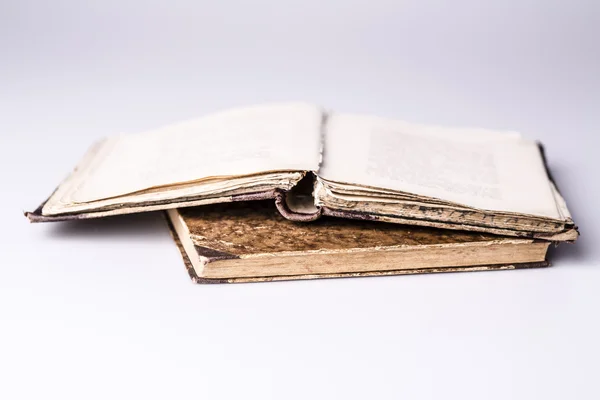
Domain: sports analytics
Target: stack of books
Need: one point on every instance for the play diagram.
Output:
(293, 191)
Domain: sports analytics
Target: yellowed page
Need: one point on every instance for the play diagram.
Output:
(278, 137)
(477, 168)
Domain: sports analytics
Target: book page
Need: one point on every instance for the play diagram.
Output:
(237, 142)
(478, 168)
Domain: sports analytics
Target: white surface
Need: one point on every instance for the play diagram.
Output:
(105, 310)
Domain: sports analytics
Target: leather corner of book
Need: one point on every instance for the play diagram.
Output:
(36, 216)
(214, 255)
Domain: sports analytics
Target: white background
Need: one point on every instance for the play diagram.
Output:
(105, 309)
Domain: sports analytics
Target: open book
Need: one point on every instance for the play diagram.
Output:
(314, 162)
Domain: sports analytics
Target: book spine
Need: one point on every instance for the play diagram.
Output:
(281, 202)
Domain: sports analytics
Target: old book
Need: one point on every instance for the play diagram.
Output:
(252, 241)
(315, 162)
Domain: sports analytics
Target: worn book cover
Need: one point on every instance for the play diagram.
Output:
(253, 242)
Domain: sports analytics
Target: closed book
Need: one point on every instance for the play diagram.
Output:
(252, 242)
